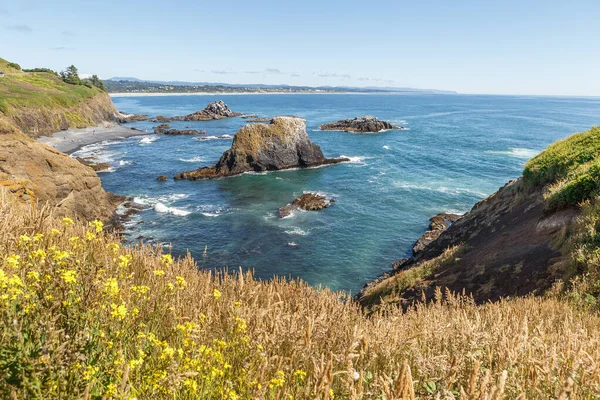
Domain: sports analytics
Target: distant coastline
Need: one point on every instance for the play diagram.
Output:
(152, 94)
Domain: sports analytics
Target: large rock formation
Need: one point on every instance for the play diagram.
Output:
(307, 202)
(215, 110)
(281, 144)
(39, 174)
(364, 124)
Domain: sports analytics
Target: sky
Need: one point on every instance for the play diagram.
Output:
(485, 46)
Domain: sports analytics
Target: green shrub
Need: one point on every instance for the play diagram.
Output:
(14, 65)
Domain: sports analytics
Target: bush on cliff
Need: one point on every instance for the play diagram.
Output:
(570, 166)
(82, 316)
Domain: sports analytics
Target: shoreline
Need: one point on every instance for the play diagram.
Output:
(156, 94)
(71, 140)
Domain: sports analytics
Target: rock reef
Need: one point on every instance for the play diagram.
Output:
(364, 124)
(281, 144)
(165, 129)
(215, 110)
(308, 202)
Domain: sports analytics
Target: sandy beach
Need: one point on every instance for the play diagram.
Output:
(72, 140)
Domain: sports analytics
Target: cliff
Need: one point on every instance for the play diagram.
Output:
(38, 103)
(281, 144)
(523, 239)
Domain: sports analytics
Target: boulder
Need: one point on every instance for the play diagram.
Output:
(282, 144)
(215, 110)
(438, 224)
(364, 124)
(163, 119)
(308, 202)
(123, 118)
(162, 178)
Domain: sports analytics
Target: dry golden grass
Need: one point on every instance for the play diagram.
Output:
(88, 318)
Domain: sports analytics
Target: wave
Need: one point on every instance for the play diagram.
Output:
(124, 162)
(192, 160)
(220, 137)
(357, 159)
(207, 214)
(151, 201)
(296, 231)
(107, 170)
(148, 139)
(517, 152)
(292, 244)
(161, 208)
(386, 147)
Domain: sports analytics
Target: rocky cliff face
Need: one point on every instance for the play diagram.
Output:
(38, 174)
(281, 144)
(508, 245)
(36, 122)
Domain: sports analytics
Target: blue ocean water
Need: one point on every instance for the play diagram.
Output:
(457, 150)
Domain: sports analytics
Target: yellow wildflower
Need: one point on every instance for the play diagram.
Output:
(170, 286)
(33, 275)
(113, 246)
(24, 239)
(125, 260)
(98, 225)
(167, 259)
(111, 287)
(69, 276)
(37, 237)
(118, 311)
(90, 236)
(237, 304)
(60, 255)
(278, 381)
(300, 374)
(216, 294)
(54, 232)
(181, 283)
(159, 272)
(13, 260)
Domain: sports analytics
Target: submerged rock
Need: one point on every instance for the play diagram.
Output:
(438, 224)
(215, 110)
(91, 162)
(163, 119)
(162, 178)
(364, 124)
(282, 144)
(308, 202)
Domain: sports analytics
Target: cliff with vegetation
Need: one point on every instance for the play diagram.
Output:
(35, 103)
(533, 234)
(41, 103)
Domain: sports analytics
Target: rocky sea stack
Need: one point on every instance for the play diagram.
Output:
(281, 144)
(215, 110)
(307, 202)
(364, 124)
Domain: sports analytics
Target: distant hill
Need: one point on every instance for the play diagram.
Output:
(135, 85)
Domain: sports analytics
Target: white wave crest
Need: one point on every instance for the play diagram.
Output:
(207, 214)
(124, 162)
(161, 208)
(220, 137)
(356, 159)
(386, 147)
(296, 231)
(148, 139)
(192, 160)
(517, 152)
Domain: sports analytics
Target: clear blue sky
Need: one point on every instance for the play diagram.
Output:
(513, 47)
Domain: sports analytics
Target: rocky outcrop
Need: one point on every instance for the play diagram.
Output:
(39, 174)
(163, 119)
(364, 124)
(123, 118)
(162, 178)
(307, 202)
(507, 245)
(215, 110)
(437, 224)
(91, 162)
(165, 129)
(282, 144)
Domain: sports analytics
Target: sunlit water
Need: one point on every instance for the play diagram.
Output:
(456, 151)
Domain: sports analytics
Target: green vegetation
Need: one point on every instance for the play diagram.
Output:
(47, 70)
(82, 316)
(570, 166)
(41, 102)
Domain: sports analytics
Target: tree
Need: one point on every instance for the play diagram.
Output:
(71, 75)
(94, 80)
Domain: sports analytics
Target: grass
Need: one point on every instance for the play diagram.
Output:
(571, 168)
(37, 101)
(84, 317)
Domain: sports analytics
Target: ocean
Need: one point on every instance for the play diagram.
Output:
(456, 150)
